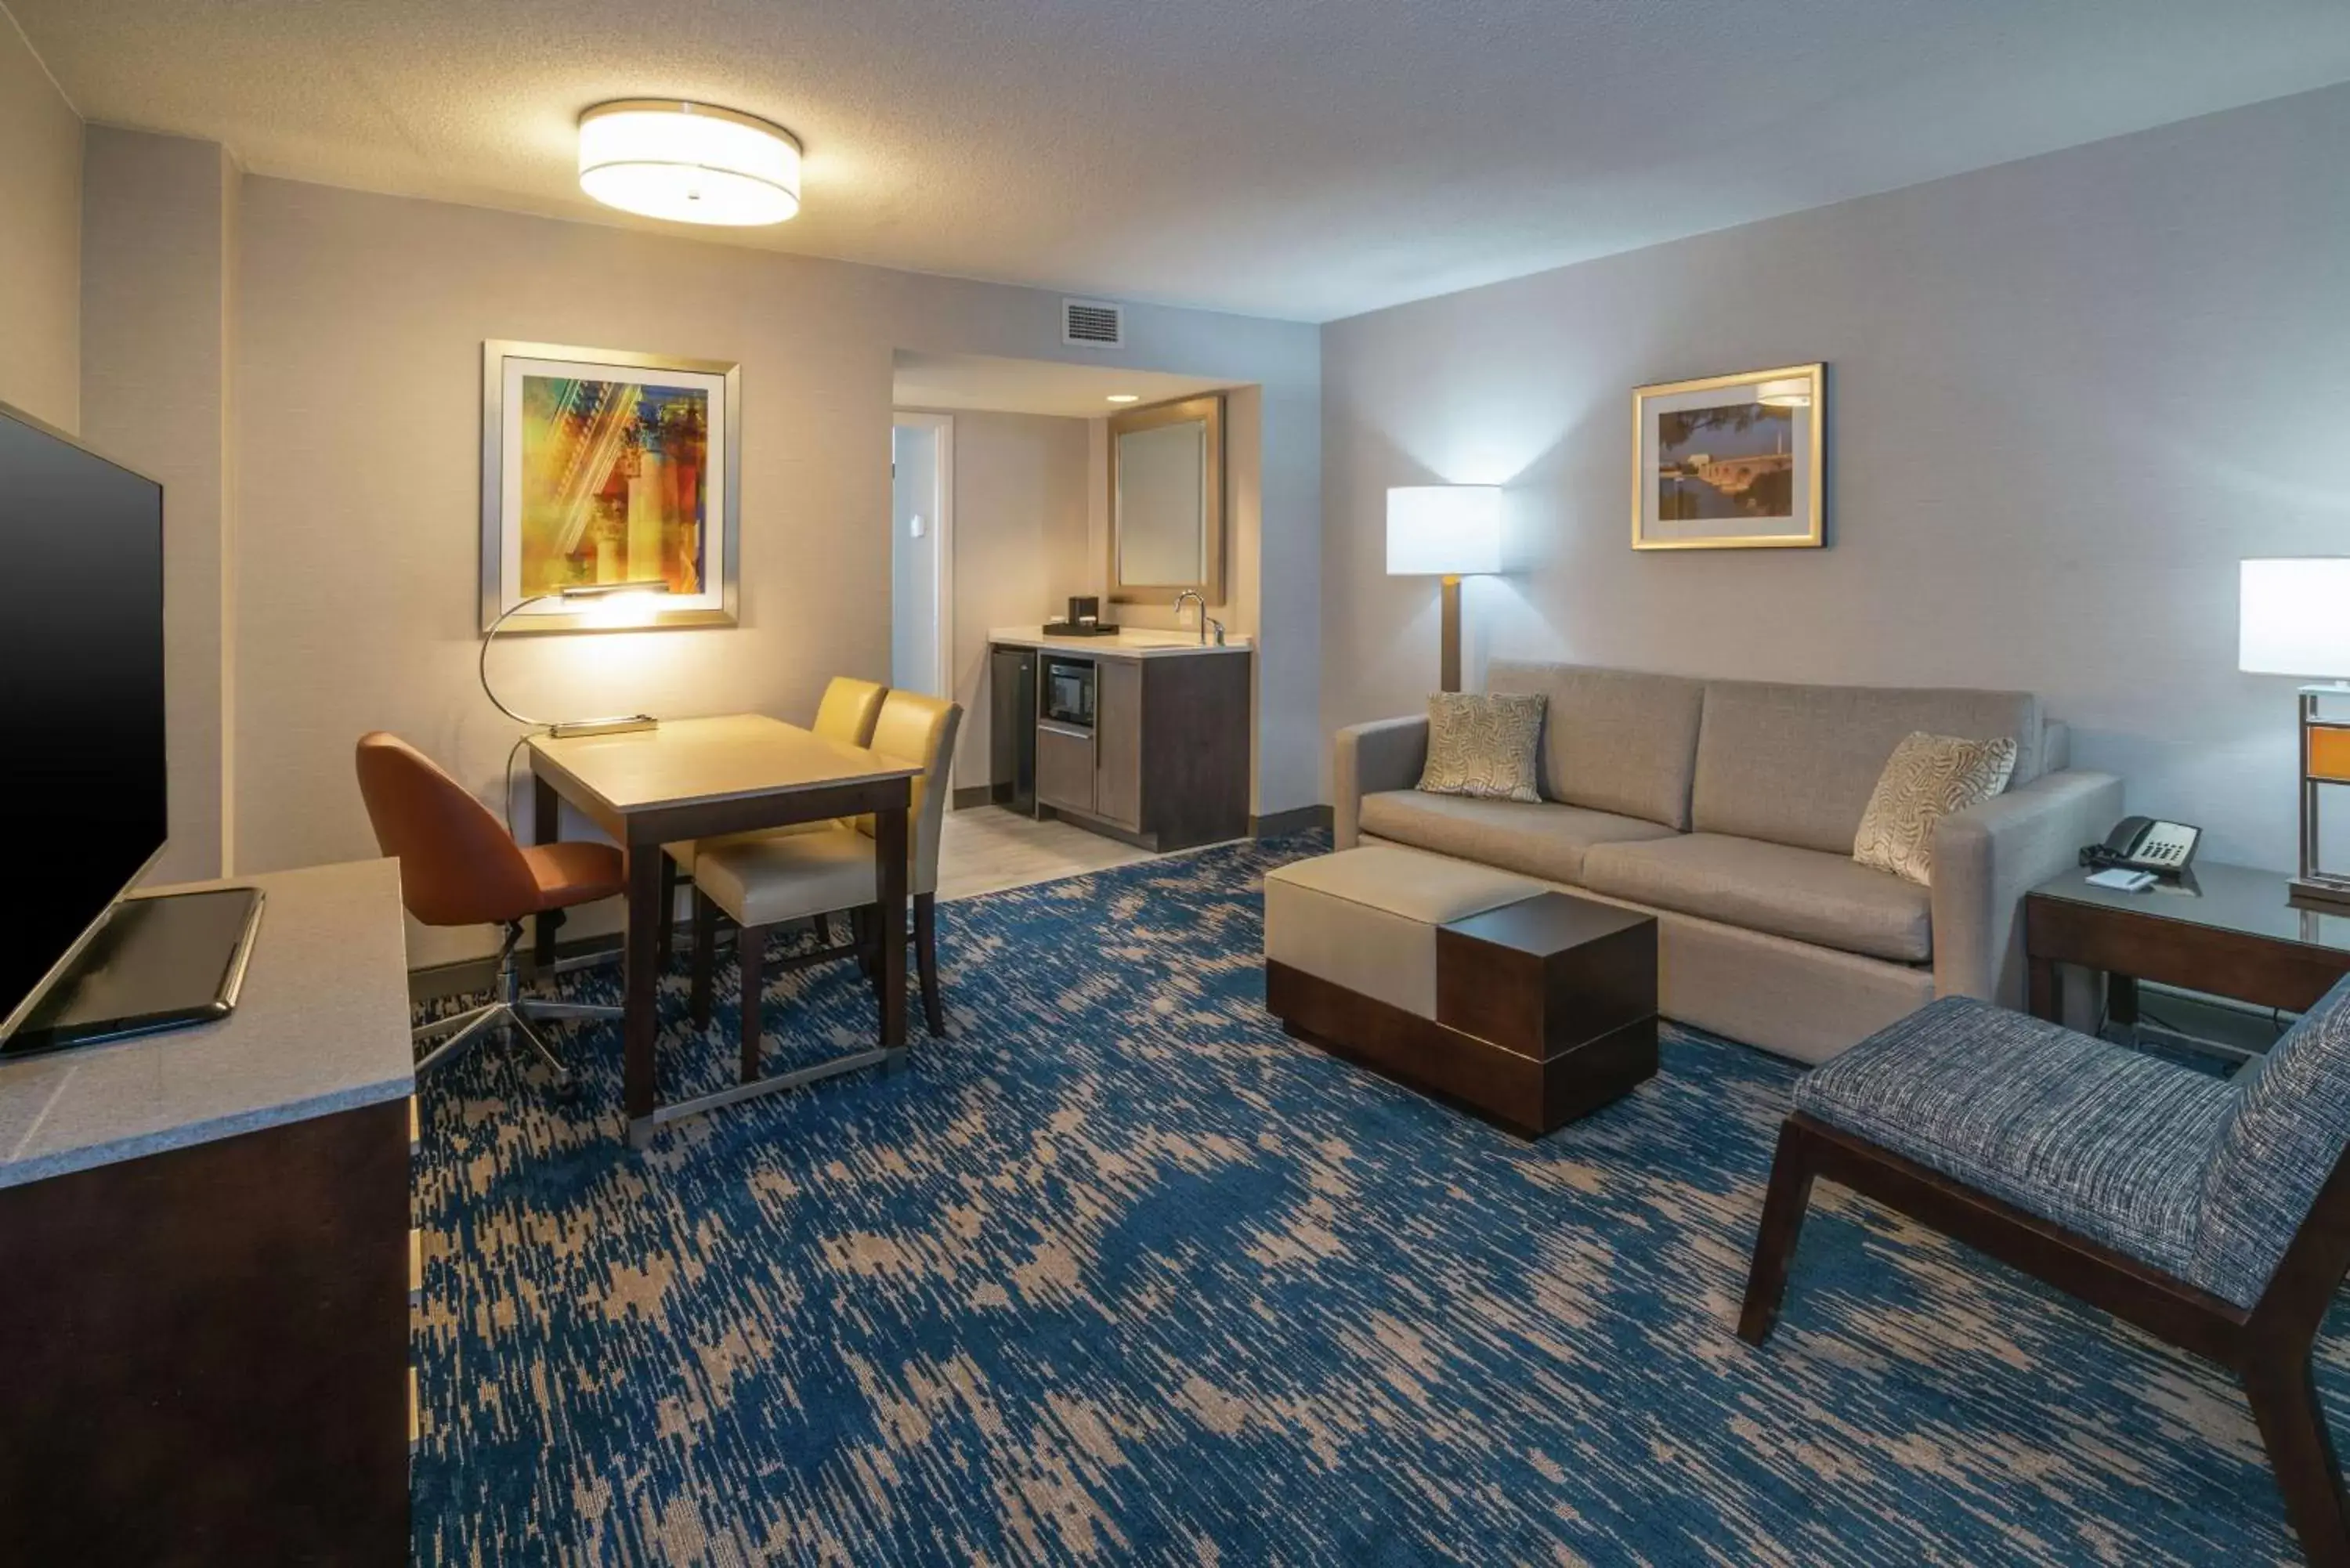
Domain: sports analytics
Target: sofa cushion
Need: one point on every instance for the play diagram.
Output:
(2288, 1128)
(2100, 1139)
(1797, 764)
(1613, 739)
(1805, 894)
(1545, 840)
(1482, 744)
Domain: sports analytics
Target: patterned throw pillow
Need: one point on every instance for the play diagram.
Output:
(1928, 777)
(1482, 745)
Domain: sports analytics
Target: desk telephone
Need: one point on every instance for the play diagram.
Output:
(2143, 843)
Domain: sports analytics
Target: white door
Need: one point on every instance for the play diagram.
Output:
(921, 557)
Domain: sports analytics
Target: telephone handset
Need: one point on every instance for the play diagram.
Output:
(2143, 843)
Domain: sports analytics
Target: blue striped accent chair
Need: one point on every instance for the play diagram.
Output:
(2213, 1213)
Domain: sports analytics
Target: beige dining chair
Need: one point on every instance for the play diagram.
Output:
(847, 712)
(766, 880)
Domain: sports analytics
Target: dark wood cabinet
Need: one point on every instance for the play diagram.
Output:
(1117, 744)
(208, 1351)
(1065, 768)
(1165, 763)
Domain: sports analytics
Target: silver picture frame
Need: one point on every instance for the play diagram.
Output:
(499, 588)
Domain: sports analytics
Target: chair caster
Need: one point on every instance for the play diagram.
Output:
(567, 1091)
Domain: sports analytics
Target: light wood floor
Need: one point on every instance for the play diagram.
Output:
(987, 849)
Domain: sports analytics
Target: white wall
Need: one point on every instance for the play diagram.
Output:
(40, 238)
(1020, 547)
(2067, 396)
(356, 431)
(158, 219)
(914, 599)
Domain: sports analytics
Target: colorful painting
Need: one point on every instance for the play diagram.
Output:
(1729, 460)
(608, 468)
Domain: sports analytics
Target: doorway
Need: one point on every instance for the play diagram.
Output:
(922, 554)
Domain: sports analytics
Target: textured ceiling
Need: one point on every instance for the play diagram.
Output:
(1030, 386)
(1307, 159)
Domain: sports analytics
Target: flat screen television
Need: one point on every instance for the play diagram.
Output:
(81, 697)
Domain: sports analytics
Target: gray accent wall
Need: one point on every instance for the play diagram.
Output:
(40, 238)
(2065, 397)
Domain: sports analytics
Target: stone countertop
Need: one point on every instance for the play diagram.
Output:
(321, 1025)
(1133, 643)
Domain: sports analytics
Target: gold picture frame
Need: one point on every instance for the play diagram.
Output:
(1730, 462)
(1175, 512)
(659, 498)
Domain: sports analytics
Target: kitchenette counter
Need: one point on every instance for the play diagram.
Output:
(1132, 643)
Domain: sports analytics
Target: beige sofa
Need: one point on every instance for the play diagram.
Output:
(1728, 808)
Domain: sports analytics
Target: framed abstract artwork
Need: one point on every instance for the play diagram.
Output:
(600, 466)
(1729, 462)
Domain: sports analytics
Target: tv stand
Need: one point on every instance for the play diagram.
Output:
(208, 1264)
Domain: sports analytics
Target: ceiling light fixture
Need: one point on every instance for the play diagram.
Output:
(1125, 398)
(1790, 392)
(689, 163)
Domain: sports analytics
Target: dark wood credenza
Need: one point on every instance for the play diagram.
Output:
(206, 1266)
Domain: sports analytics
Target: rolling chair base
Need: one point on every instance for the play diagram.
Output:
(512, 1013)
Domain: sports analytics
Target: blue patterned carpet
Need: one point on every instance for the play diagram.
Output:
(1119, 1273)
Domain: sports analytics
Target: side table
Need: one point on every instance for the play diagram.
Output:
(2224, 930)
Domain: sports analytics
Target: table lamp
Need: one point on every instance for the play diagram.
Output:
(2295, 621)
(1448, 530)
(616, 597)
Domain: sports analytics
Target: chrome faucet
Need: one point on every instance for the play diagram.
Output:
(1206, 621)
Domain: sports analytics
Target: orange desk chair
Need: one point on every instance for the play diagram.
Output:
(459, 867)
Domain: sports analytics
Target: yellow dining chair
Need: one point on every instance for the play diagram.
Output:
(764, 881)
(847, 712)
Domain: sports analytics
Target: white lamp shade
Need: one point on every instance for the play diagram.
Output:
(2295, 618)
(1444, 529)
(689, 163)
(1787, 392)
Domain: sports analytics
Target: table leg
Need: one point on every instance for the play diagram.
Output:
(890, 849)
(546, 815)
(2121, 998)
(639, 1019)
(2046, 1000)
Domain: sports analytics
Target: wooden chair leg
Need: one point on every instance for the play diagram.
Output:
(823, 931)
(750, 953)
(861, 932)
(926, 959)
(662, 939)
(2301, 1450)
(1783, 1207)
(705, 954)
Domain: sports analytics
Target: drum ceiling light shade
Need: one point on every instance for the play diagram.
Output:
(689, 163)
(1788, 392)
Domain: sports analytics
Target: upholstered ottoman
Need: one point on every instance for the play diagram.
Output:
(1533, 1007)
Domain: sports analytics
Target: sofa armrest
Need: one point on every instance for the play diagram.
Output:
(1386, 754)
(1987, 859)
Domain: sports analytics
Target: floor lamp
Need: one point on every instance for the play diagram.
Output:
(1447, 531)
(2293, 623)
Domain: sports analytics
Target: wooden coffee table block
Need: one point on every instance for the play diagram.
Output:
(1546, 1009)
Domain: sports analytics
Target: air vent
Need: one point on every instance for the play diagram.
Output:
(1093, 324)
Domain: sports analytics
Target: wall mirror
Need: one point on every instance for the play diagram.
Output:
(1167, 500)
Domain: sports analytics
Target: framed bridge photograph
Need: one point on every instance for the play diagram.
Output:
(1729, 462)
(601, 467)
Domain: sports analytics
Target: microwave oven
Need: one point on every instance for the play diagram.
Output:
(1067, 692)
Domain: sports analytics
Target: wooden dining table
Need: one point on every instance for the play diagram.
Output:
(699, 778)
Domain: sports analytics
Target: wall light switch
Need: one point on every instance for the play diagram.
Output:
(917, 526)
